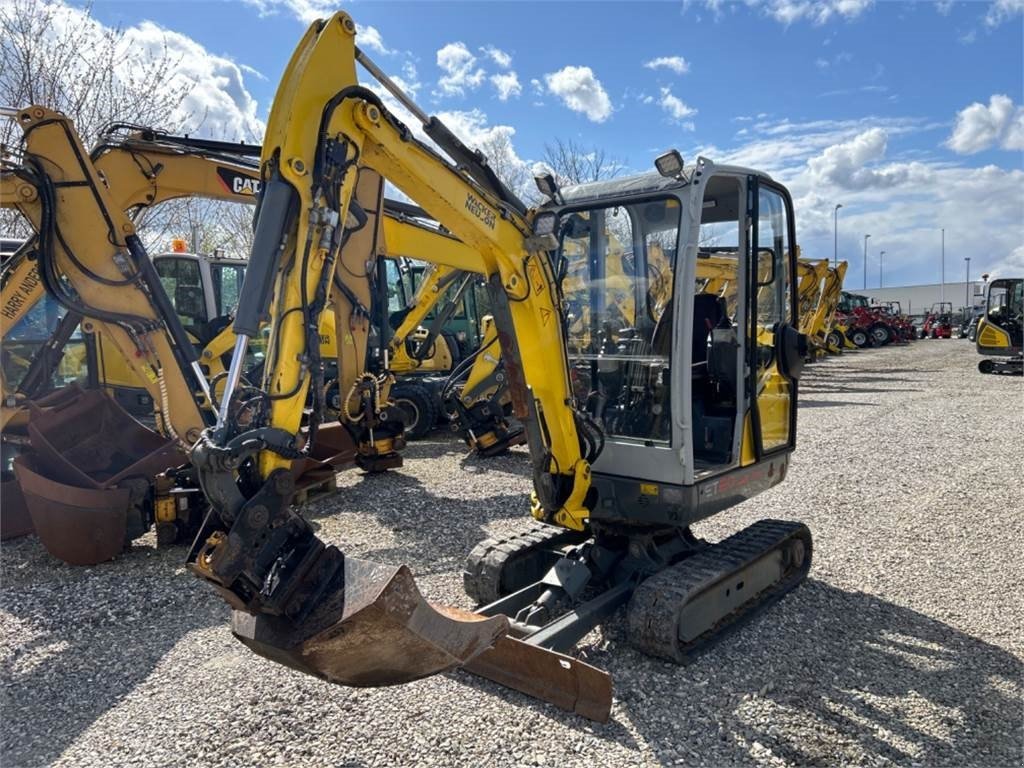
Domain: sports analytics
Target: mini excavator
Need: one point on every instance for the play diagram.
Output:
(642, 417)
(1001, 328)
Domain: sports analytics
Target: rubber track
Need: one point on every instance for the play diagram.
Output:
(484, 566)
(652, 615)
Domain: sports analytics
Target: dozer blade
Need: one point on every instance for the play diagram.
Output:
(561, 680)
(378, 630)
(553, 677)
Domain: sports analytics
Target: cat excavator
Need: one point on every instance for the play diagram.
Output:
(637, 426)
(100, 463)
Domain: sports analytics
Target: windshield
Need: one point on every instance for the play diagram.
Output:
(1006, 298)
(618, 265)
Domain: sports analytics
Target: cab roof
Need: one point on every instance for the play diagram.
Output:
(650, 182)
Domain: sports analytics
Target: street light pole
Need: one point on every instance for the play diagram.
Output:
(866, 261)
(880, 255)
(835, 234)
(967, 288)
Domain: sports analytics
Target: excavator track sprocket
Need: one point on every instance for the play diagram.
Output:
(686, 608)
(502, 565)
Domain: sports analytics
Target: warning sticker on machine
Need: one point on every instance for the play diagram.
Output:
(536, 278)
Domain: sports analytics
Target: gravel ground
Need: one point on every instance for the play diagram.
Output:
(905, 645)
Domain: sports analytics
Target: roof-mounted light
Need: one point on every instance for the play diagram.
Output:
(544, 223)
(546, 184)
(670, 164)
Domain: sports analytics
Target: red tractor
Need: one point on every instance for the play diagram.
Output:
(939, 323)
(867, 324)
(901, 324)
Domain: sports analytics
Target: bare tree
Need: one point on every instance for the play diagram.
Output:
(63, 59)
(79, 67)
(503, 161)
(573, 163)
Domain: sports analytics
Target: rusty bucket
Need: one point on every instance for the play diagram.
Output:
(90, 441)
(378, 630)
(81, 526)
(15, 520)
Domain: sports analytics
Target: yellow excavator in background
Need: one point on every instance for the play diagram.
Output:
(826, 334)
(479, 399)
(1001, 329)
(638, 426)
(140, 168)
(810, 288)
(95, 269)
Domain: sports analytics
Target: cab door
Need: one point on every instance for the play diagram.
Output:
(772, 320)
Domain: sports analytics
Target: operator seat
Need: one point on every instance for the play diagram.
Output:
(713, 403)
(708, 311)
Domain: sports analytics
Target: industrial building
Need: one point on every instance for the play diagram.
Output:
(918, 299)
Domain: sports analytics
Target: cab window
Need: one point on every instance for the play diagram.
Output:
(181, 279)
(227, 285)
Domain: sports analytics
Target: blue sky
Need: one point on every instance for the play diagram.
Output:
(909, 114)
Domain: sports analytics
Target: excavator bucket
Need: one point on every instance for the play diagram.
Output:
(379, 630)
(386, 633)
(333, 449)
(85, 449)
(81, 526)
(15, 520)
(87, 440)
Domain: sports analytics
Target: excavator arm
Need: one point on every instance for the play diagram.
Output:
(300, 601)
(139, 170)
(89, 257)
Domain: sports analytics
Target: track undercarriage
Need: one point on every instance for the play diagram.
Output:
(682, 594)
(1009, 366)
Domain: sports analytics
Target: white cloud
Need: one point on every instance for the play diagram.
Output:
(1010, 266)
(979, 127)
(498, 56)
(816, 11)
(844, 165)
(460, 71)
(370, 39)
(253, 71)
(507, 85)
(903, 217)
(580, 91)
(216, 104)
(306, 11)
(1003, 10)
(676, 108)
(676, 64)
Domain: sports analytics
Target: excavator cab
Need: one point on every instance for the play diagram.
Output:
(1001, 329)
(663, 361)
